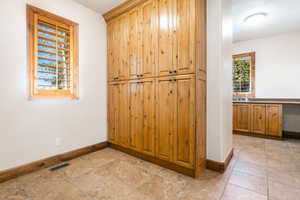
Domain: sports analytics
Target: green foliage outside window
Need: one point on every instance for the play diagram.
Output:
(241, 75)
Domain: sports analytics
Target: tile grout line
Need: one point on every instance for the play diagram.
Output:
(227, 181)
(267, 172)
(267, 195)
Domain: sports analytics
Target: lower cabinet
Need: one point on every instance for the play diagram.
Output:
(176, 120)
(155, 117)
(113, 111)
(166, 106)
(258, 118)
(118, 113)
(142, 116)
(123, 127)
(274, 120)
(184, 137)
(242, 117)
(261, 119)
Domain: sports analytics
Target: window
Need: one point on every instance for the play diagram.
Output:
(52, 56)
(244, 75)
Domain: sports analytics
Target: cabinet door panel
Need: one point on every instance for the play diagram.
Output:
(274, 120)
(136, 115)
(133, 43)
(166, 106)
(113, 112)
(184, 45)
(184, 138)
(123, 120)
(148, 136)
(165, 40)
(234, 117)
(109, 50)
(258, 120)
(123, 68)
(148, 39)
(243, 117)
(113, 49)
(116, 50)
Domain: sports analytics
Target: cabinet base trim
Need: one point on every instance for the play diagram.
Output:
(219, 166)
(290, 134)
(257, 135)
(47, 162)
(163, 163)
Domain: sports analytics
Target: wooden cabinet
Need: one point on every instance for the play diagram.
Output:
(148, 137)
(184, 135)
(123, 116)
(142, 115)
(176, 37)
(156, 36)
(134, 42)
(113, 111)
(166, 106)
(260, 119)
(165, 37)
(176, 119)
(123, 68)
(113, 53)
(152, 107)
(148, 44)
(184, 44)
(243, 117)
(118, 114)
(118, 48)
(274, 120)
(136, 115)
(234, 115)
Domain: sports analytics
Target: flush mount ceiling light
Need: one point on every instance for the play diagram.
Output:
(256, 18)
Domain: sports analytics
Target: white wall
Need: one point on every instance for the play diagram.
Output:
(277, 64)
(277, 71)
(28, 129)
(219, 79)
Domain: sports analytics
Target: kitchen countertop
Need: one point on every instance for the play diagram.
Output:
(269, 101)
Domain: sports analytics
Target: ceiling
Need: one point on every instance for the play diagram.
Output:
(283, 16)
(100, 6)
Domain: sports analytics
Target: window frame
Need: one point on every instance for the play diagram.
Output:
(252, 56)
(34, 92)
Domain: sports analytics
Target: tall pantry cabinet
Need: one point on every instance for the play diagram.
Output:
(157, 82)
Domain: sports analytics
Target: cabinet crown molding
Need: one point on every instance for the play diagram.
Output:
(122, 8)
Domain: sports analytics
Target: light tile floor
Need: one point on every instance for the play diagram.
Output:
(261, 169)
